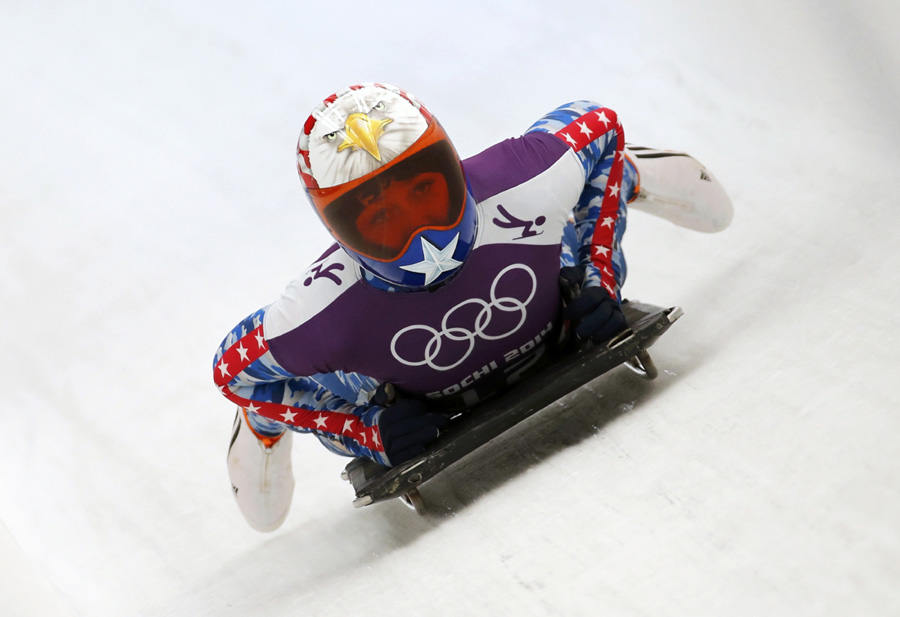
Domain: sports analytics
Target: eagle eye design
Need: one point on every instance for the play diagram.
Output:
(379, 106)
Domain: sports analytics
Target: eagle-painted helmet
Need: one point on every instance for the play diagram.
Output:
(388, 184)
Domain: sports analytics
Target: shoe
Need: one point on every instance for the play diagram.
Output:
(676, 187)
(262, 477)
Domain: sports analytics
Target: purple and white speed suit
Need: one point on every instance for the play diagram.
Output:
(311, 360)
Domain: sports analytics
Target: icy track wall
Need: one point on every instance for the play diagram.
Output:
(150, 201)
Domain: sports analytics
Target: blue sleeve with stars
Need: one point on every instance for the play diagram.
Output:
(596, 158)
(333, 406)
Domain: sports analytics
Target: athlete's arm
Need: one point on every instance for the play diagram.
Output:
(248, 374)
(596, 137)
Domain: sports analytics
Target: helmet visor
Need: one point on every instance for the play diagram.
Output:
(379, 214)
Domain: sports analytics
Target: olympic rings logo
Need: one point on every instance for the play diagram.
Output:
(506, 304)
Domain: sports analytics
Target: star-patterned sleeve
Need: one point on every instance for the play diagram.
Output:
(596, 136)
(247, 374)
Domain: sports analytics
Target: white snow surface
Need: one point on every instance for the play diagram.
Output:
(150, 201)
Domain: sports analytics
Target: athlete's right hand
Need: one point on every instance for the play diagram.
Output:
(406, 427)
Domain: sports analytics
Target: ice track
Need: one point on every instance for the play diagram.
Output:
(150, 201)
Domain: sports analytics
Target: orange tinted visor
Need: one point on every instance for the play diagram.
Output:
(379, 214)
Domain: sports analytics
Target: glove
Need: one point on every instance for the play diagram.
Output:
(600, 316)
(406, 427)
(570, 279)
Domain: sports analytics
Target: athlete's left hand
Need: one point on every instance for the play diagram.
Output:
(600, 316)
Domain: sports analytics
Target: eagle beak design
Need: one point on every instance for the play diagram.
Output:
(362, 133)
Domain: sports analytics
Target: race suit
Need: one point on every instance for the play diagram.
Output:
(311, 361)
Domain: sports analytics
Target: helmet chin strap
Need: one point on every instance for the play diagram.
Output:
(376, 281)
(379, 283)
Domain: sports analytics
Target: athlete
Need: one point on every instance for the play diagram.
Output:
(443, 285)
